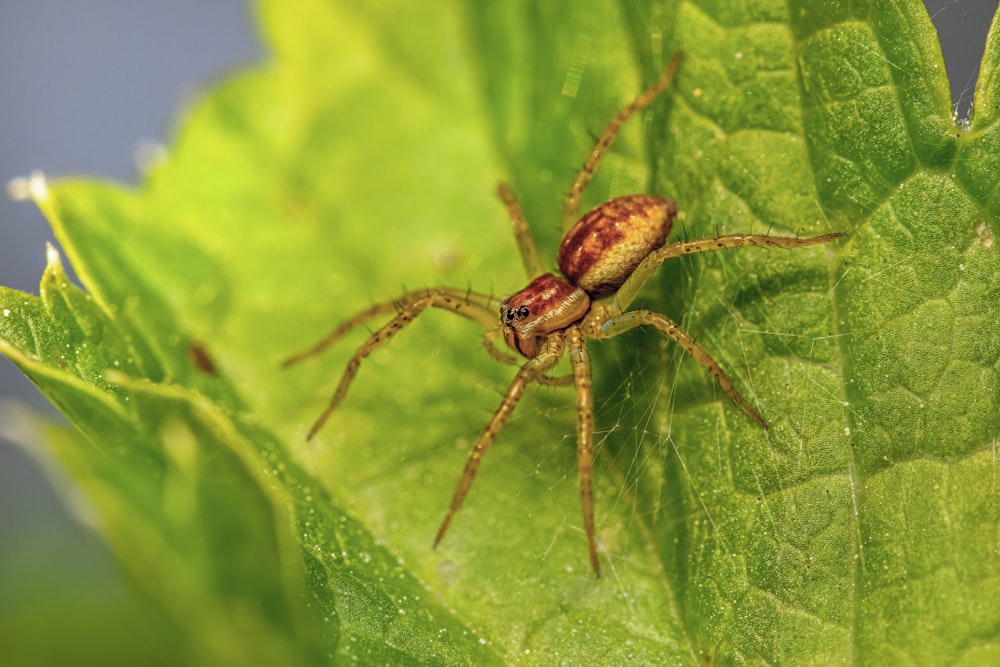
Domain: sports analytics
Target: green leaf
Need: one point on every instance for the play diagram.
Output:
(861, 526)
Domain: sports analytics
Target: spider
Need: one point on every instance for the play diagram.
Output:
(605, 259)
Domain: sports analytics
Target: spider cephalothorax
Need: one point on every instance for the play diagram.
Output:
(597, 255)
(549, 303)
(605, 259)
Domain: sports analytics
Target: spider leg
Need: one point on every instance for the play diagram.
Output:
(571, 206)
(635, 282)
(409, 309)
(525, 242)
(603, 326)
(549, 356)
(477, 307)
(580, 361)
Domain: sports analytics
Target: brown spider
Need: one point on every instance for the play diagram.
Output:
(610, 252)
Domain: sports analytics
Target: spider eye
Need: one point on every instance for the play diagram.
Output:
(523, 312)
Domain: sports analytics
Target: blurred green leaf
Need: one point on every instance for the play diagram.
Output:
(362, 157)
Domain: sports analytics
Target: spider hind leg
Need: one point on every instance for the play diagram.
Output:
(571, 205)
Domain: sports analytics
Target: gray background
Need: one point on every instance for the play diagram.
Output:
(83, 85)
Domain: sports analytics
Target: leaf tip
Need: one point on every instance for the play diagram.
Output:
(52, 257)
(34, 187)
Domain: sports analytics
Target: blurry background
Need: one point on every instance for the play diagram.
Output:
(84, 85)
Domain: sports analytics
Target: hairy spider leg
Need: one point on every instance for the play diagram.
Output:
(601, 325)
(474, 306)
(525, 242)
(633, 285)
(580, 361)
(548, 357)
(571, 206)
(408, 310)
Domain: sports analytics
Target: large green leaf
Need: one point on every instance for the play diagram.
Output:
(863, 525)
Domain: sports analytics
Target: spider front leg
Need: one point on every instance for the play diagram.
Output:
(467, 304)
(580, 361)
(601, 324)
(549, 356)
(472, 305)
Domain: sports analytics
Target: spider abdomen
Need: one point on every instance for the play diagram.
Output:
(607, 244)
